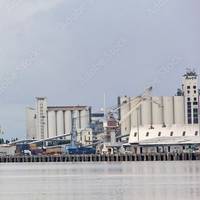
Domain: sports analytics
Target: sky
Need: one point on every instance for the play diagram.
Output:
(75, 51)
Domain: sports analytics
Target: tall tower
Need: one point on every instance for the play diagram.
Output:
(41, 113)
(191, 94)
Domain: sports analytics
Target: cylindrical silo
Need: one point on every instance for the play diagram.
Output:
(134, 119)
(77, 118)
(60, 123)
(179, 110)
(157, 110)
(85, 119)
(68, 122)
(125, 121)
(146, 112)
(168, 110)
(52, 123)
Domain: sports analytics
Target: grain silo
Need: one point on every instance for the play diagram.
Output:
(52, 123)
(157, 110)
(60, 122)
(168, 110)
(179, 110)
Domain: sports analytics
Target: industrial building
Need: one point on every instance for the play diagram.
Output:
(162, 116)
(50, 121)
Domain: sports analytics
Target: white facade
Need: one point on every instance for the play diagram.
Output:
(155, 111)
(85, 137)
(191, 94)
(41, 118)
(179, 110)
(31, 123)
(51, 124)
(159, 132)
(168, 110)
(47, 122)
(60, 122)
(146, 110)
(163, 115)
(68, 121)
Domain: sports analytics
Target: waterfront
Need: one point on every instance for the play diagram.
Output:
(138, 180)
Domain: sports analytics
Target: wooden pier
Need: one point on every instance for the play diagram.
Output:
(102, 158)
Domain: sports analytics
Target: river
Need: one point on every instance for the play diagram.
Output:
(100, 181)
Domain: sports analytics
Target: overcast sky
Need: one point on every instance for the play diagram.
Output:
(74, 51)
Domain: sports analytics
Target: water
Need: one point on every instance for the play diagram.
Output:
(101, 181)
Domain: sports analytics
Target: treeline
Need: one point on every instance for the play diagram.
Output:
(2, 141)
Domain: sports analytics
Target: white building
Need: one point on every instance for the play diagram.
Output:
(31, 123)
(51, 121)
(85, 137)
(163, 116)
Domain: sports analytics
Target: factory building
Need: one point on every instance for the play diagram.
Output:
(51, 121)
(164, 116)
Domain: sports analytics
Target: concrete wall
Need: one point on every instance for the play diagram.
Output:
(31, 123)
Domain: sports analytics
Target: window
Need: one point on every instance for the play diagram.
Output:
(195, 87)
(135, 134)
(195, 99)
(189, 121)
(188, 99)
(188, 87)
(171, 133)
(195, 91)
(196, 133)
(147, 134)
(188, 91)
(184, 133)
(159, 134)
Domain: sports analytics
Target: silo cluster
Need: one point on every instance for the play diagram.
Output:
(163, 110)
(60, 120)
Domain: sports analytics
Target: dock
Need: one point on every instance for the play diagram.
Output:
(102, 158)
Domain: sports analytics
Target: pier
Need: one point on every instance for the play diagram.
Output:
(102, 158)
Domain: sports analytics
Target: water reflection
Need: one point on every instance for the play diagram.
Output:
(140, 180)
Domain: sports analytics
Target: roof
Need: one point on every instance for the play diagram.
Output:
(171, 140)
(67, 107)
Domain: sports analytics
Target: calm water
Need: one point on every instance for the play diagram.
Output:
(142, 180)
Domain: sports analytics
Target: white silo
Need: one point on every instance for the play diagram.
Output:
(168, 110)
(179, 110)
(85, 119)
(146, 112)
(125, 108)
(134, 119)
(31, 123)
(68, 121)
(133, 114)
(60, 123)
(52, 123)
(157, 110)
(77, 118)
